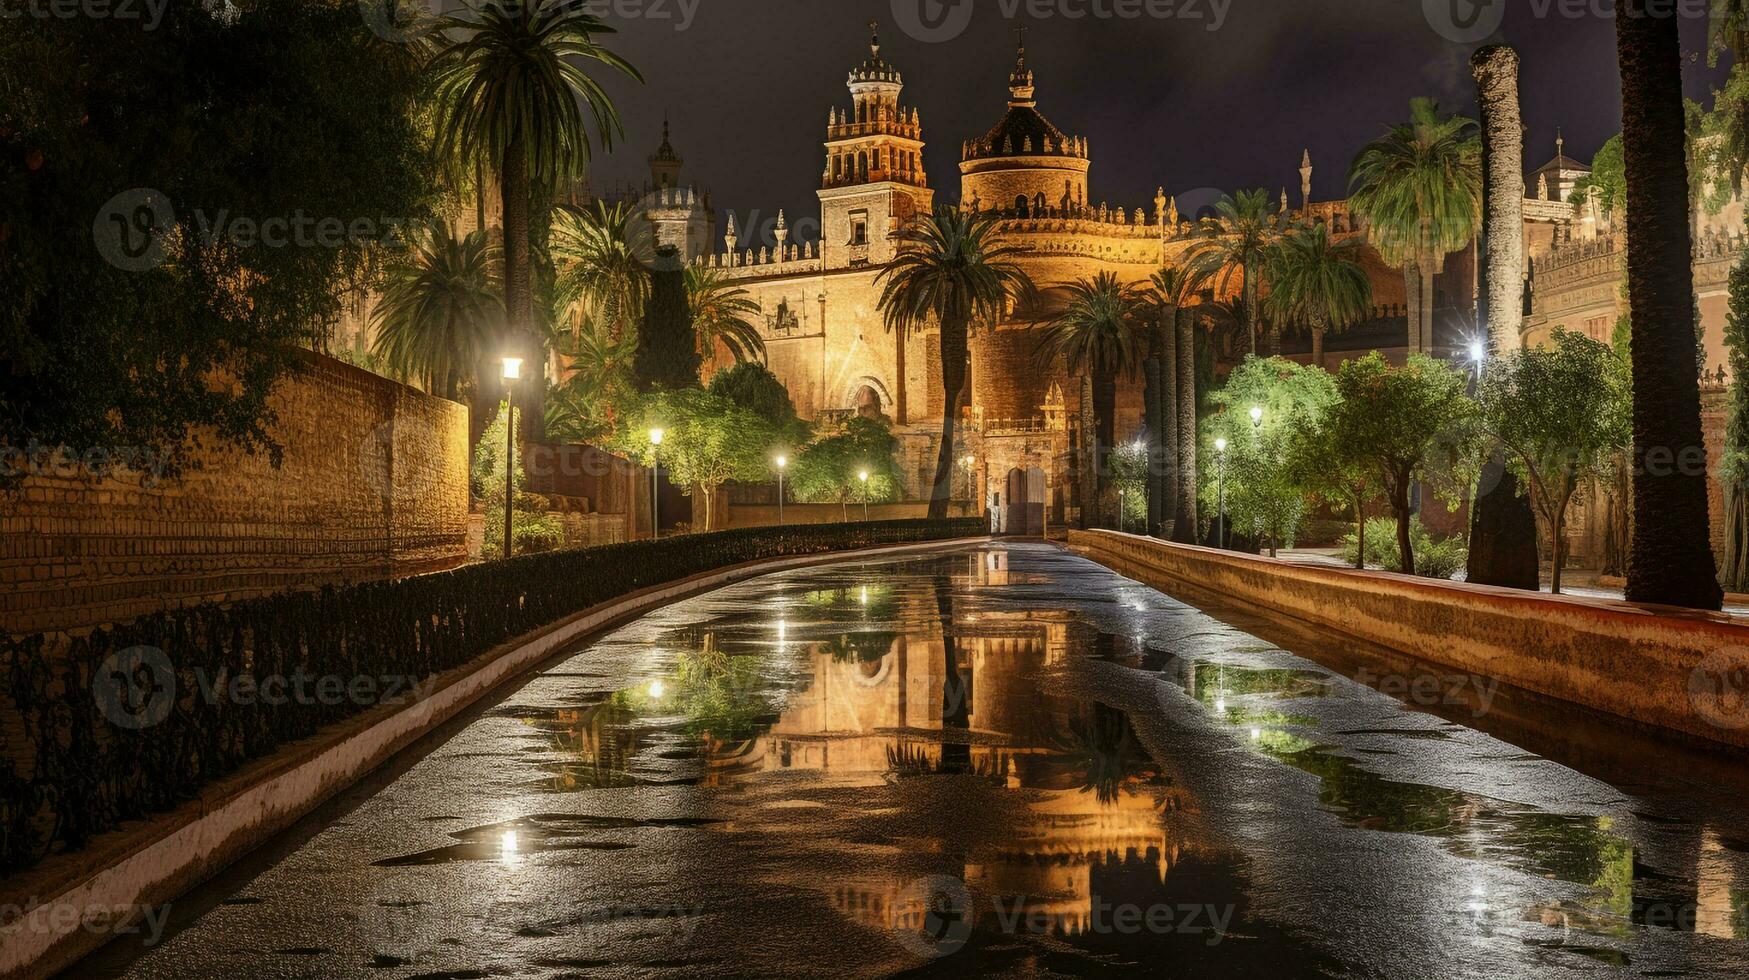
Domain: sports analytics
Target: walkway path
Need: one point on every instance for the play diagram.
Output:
(813, 774)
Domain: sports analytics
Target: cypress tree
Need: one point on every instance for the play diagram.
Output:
(667, 355)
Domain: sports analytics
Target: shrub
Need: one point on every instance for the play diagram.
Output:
(1434, 558)
(72, 770)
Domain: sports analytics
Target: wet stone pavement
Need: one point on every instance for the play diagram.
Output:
(1003, 760)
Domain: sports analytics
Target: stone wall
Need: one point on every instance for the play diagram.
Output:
(373, 484)
(1668, 672)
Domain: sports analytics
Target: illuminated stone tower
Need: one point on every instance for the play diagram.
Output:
(1025, 164)
(874, 181)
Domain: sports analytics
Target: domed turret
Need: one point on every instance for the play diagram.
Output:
(1024, 164)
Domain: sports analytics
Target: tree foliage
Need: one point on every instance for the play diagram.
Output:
(440, 310)
(1235, 242)
(1564, 412)
(102, 159)
(1412, 424)
(667, 355)
(828, 470)
(753, 387)
(1264, 490)
(1734, 467)
(707, 441)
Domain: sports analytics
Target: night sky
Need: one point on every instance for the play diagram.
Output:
(748, 83)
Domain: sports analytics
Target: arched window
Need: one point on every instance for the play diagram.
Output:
(1021, 207)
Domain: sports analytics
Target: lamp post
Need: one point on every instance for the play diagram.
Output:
(512, 371)
(655, 478)
(863, 476)
(1478, 356)
(1221, 492)
(782, 464)
(1123, 516)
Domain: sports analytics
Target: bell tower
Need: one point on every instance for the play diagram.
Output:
(874, 180)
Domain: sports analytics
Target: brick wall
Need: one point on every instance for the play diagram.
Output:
(374, 483)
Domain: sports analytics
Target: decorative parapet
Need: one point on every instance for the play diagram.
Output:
(754, 263)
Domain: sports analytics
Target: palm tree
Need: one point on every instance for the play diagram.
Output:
(1096, 334)
(440, 310)
(1165, 294)
(1234, 243)
(509, 91)
(1671, 561)
(596, 383)
(1318, 283)
(951, 271)
(601, 272)
(1419, 190)
(723, 313)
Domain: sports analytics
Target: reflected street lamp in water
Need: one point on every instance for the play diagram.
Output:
(655, 477)
(863, 476)
(512, 371)
(1221, 493)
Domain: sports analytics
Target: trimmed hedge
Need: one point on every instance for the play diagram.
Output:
(70, 771)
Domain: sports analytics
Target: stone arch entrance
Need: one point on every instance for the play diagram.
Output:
(869, 398)
(1019, 504)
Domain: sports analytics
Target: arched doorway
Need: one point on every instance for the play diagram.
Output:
(1020, 506)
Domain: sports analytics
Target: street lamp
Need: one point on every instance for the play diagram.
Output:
(1478, 356)
(1221, 494)
(655, 476)
(863, 476)
(512, 371)
(1257, 418)
(782, 464)
(1123, 517)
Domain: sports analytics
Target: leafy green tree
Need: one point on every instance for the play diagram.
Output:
(828, 470)
(601, 259)
(707, 441)
(1413, 424)
(439, 312)
(1235, 242)
(511, 91)
(1564, 413)
(952, 272)
(1734, 468)
(1607, 181)
(1332, 467)
(589, 404)
(98, 142)
(667, 356)
(723, 313)
(1096, 333)
(1419, 189)
(753, 387)
(1318, 283)
(1263, 486)
(533, 530)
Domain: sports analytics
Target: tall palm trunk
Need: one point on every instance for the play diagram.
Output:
(1502, 525)
(1087, 465)
(518, 286)
(1412, 300)
(1163, 425)
(1187, 519)
(1429, 270)
(955, 355)
(1105, 426)
(1318, 347)
(1672, 561)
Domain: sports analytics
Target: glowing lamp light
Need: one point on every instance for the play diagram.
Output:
(782, 462)
(1477, 350)
(863, 476)
(512, 368)
(656, 436)
(656, 689)
(1257, 415)
(1220, 445)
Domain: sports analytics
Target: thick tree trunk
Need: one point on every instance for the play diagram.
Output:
(1405, 544)
(1087, 466)
(1151, 397)
(1429, 273)
(1359, 534)
(1736, 571)
(1502, 532)
(955, 352)
(1412, 299)
(1188, 517)
(1318, 348)
(1672, 561)
(1105, 424)
(518, 289)
(1163, 461)
(1496, 72)
(1557, 548)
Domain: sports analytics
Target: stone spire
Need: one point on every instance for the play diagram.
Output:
(1020, 82)
(665, 164)
(1306, 180)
